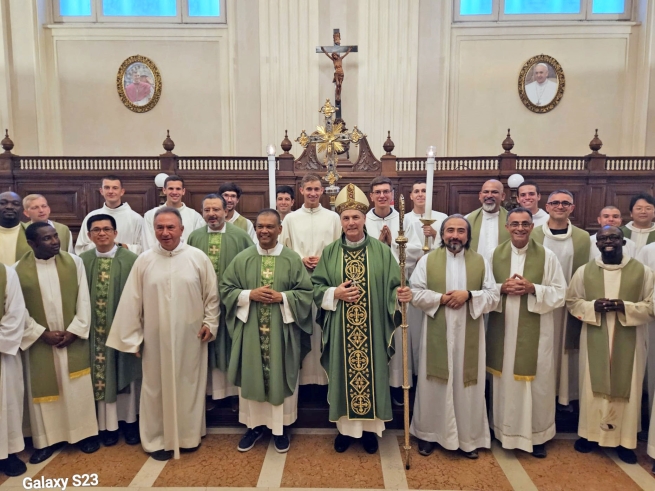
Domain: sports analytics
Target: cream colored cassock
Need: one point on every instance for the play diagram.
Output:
(566, 363)
(488, 234)
(307, 231)
(646, 256)
(523, 413)
(191, 220)
(629, 249)
(450, 414)
(169, 295)
(129, 225)
(640, 235)
(8, 237)
(255, 413)
(540, 218)
(72, 417)
(597, 412)
(12, 327)
(374, 225)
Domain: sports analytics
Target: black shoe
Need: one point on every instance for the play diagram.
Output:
(89, 445)
(473, 454)
(12, 466)
(539, 451)
(234, 404)
(397, 396)
(583, 445)
(189, 449)
(282, 443)
(626, 455)
(250, 438)
(108, 438)
(342, 442)
(131, 433)
(425, 448)
(369, 442)
(162, 455)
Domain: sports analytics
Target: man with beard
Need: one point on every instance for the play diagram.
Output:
(528, 196)
(642, 227)
(613, 297)
(36, 208)
(520, 338)
(13, 244)
(488, 222)
(611, 215)
(232, 193)
(454, 286)
(221, 241)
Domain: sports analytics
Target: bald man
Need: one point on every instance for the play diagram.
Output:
(488, 221)
(13, 243)
(611, 215)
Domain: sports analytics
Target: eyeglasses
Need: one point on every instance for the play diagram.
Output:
(605, 238)
(106, 230)
(520, 224)
(563, 204)
(381, 192)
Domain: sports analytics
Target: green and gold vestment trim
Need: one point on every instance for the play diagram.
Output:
(360, 390)
(264, 319)
(99, 367)
(3, 288)
(214, 250)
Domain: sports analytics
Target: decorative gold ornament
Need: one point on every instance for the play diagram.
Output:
(351, 198)
(328, 109)
(531, 95)
(139, 84)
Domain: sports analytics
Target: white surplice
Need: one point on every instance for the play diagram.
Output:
(611, 423)
(8, 238)
(646, 256)
(523, 413)
(308, 231)
(449, 413)
(72, 417)
(250, 230)
(168, 296)
(191, 220)
(566, 362)
(488, 240)
(255, 413)
(540, 218)
(629, 249)
(640, 235)
(12, 327)
(129, 225)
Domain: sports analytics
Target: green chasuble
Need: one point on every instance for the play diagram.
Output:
(266, 353)
(43, 378)
(358, 336)
(627, 233)
(581, 248)
(111, 371)
(475, 219)
(221, 248)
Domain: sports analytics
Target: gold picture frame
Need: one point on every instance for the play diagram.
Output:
(541, 84)
(139, 84)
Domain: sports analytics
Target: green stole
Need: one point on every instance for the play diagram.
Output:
(62, 231)
(611, 375)
(581, 247)
(264, 320)
(436, 338)
(112, 371)
(22, 247)
(3, 289)
(475, 219)
(527, 338)
(242, 223)
(43, 378)
(627, 233)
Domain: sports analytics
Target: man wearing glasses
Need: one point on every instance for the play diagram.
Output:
(571, 246)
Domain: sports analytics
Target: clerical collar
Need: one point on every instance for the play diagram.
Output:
(612, 267)
(520, 251)
(490, 214)
(632, 227)
(391, 210)
(109, 254)
(311, 210)
(356, 244)
(559, 231)
(110, 208)
(221, 231)
(270, 252)
(420, 215)
(160, 250)
(452, 254)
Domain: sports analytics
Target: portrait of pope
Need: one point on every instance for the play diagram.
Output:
(139, 84)
(541, 84)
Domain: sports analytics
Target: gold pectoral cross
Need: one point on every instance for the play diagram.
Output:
(101, 303)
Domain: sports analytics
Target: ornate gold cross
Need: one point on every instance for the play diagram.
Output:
(100, 358)
(104, 276)
(101, 303)
(100, 385)
(267, 273)
(213, 250)
(264, 328)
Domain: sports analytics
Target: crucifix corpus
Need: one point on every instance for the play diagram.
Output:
(334, 53)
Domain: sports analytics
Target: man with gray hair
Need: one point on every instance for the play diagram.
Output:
(571, 246)
(541, 91)
(170, 306)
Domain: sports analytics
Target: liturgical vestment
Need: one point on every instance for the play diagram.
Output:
(308, 231)
(191, 220)
(167, 298)
(129, 225)
(221, 247)
(278, 335)
(244, 224)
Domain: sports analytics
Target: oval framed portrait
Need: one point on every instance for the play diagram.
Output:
(541, 84)
(139, 84)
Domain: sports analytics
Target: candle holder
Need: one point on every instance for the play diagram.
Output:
(426, 246)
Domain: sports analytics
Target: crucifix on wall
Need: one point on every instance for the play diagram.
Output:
(334, 53)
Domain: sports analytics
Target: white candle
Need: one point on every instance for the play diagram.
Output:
(272, 198)
(429, 182)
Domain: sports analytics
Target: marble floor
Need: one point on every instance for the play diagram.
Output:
(311, 463)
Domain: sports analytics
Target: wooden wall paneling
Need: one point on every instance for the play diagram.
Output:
(67, 201)
(596, 200)
(463, 198)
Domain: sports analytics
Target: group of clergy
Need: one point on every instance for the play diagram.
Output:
(159, 311)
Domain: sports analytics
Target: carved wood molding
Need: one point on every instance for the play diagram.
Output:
(366, 161)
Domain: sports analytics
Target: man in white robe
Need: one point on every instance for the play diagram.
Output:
(232, 193)
(488, 221)
(611, 215)
(61, 404)
(12, 327)
(174, 191)
(541, 91)
(128, 221)
(36, 208)
(170, 304)
(613, 297)
(571, 246)
(646, 256)
(308, 231)
(449, 407)
(642, 227)
(520, 343)
(528, 196)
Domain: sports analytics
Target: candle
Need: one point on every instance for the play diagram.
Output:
(270, 150)
(429, 182)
